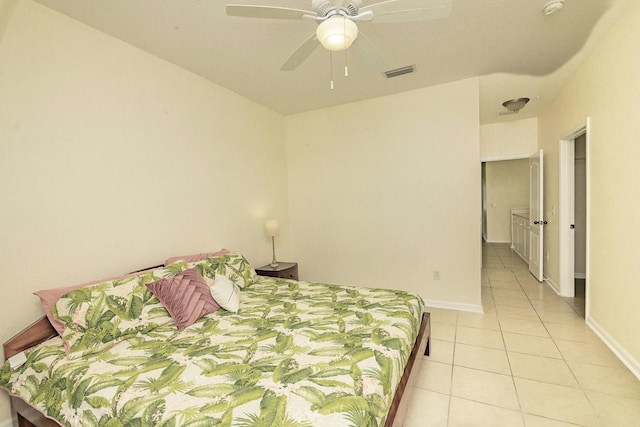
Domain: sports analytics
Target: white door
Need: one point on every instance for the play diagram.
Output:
(536, 220)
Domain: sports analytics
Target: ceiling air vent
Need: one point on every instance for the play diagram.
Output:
(400, 71)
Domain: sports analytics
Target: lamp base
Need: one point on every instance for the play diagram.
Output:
(274, 263)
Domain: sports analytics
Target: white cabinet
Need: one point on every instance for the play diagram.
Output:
(520, 232)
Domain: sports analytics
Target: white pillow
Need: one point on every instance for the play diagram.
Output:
(226, 293)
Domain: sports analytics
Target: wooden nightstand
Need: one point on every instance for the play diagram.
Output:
(284, 270)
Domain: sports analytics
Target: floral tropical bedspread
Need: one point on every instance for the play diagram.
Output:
(296, 354)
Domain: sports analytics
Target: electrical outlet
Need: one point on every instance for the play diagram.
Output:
(436, 274)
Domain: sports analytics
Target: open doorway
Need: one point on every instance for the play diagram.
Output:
(580, 223)
(574, 208)
(505, 188)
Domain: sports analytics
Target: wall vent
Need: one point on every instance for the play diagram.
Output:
(400, 71)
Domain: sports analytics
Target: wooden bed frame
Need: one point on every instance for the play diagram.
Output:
(41, 331)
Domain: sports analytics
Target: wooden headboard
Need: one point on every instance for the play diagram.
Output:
(38, 332)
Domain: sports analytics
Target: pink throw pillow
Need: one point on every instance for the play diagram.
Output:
(196, 257)
(186, 296)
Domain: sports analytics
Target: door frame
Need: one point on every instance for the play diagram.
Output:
(535, 226)
(567, 208)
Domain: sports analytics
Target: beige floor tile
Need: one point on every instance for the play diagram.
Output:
(466, 413)
(514, 302)
(440, 351)
(537, 346)
(514, 262)
(536, 421)
(509, 293)
(494, 264)
(577, 331)
(617, 381)
(524, 327)
(441, 315)
(489, 308)
(501, 274)
(523, 313)
(563, 317)
(554, 371)
(578, 305)
(552, 305)
(485, 387)
(558, 402)
(524, 277)
(443, 331)
(434, 376)
(531, 286)
(479, 337)
(615, 411)
(497, 284)
(542, 293)
(479, 320)
(482, 358)
(556, 360)
(427, 405)
(487, 301)
(592, 353)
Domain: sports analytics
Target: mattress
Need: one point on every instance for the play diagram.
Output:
(295, 354)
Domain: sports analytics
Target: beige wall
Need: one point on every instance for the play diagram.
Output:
(508, 140)
(507, 187)
(112, 159)
(606, 88)
(383, 192)
(6, 12)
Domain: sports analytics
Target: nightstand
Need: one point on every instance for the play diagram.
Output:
(284, 270)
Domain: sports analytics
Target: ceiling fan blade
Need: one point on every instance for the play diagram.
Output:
(249, 11)
(367, 52)
(408, 10)
(301, 53)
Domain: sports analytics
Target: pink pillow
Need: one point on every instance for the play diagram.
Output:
(186, 296)
(49, 298)
(196, 257)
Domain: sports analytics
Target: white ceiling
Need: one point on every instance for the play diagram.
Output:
(515, 49)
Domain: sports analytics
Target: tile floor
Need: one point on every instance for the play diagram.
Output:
(529, 360)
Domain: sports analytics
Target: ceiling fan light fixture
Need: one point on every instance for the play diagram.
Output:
(337, 33)
(552, 6)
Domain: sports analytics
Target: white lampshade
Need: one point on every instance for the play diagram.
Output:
(272, 227)
(337, 33)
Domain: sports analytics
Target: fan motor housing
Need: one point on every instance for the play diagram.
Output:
(325, 7)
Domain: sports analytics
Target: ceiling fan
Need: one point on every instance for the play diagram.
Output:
(337, 29)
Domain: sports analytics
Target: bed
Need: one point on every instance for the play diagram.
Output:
(291, 353)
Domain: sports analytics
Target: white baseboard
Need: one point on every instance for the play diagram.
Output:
(498, 241)
(552, 285)
(447, 305)
(618, 350)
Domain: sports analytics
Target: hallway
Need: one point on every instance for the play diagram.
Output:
(529, 360)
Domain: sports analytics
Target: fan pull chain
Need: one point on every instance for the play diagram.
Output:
(346, 66)
(331, 63)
